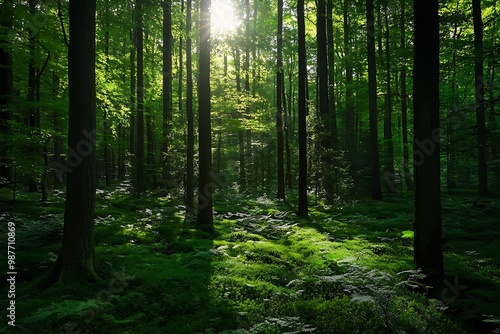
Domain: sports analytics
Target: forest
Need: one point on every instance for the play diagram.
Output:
(250, 166)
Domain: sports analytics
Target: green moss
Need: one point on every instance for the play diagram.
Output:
(264, 270)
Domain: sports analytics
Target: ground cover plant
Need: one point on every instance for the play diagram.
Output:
(345, 269)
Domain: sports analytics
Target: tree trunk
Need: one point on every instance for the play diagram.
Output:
(241, 139)
(167, 85)
(58, 129)
(76, 260)
(204, 218)
(389, 165)
(349, 133)
(32, 110)
(325, 128)
(139, 142)
(189, 116)
(133, 129)
(480, 103)
(404, 106)
(302, 102)
(372, 103)
(428, 253)
(279, 107)
(6, 91)
(286, 123)
(331, 73)
(107, 127)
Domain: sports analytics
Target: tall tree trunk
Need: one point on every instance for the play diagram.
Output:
(139, 141)
(167, 85)
(133, 88)
(58, 129)
(204, 218)
(189, 116)
(480, 103)
(404, 106)
(279, 107)
(248, 132)
(372, 103)
(76, 260)
(6, 90)
(302, 103)
(32, 109)
(450, 135)
(331, 73)
(325, 129)
(241, 135)
(428, 253)
(106, 121)
(389, 165)
(286, 124)
(349, 132)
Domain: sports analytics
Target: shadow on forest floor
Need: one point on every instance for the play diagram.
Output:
(346, 269)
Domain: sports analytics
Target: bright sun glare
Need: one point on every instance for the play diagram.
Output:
(223, 17)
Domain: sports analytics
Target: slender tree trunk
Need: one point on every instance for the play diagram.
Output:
(286, 123)
(32, 109)
(241, 135)
(428, 253)
(133, 129)
(279, 107)
(480, 103)
(76, 260)
(181, 65)
(189, 116)
(204, 219)
(349, 133)
(248, 132)
(372, 104)
(106, 121)
(139, 141)
(450, 149)
(404, 106)
(389, 165)
(303, 206)
(325, 128)
(6, 90)
(331, 73)
(58, 129)
(494, 142)
(167, 85)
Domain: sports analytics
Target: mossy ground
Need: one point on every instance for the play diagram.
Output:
(263, 270)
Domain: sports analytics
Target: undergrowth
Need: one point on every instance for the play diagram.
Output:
(346, 269)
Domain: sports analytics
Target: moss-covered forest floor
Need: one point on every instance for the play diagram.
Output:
(346, 269)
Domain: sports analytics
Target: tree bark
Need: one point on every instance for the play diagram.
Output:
(6, 91)
(279, 102)
(349, 133)
(331, 73)
(167, 85)
(139, 141)
(404, 105)
(132, 129)
(302, 107)
(372, 103)
(480, 103)
(76, 260)
(389, 164)
(204, 218)
(428, 253)
(189, 116)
